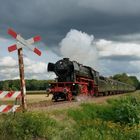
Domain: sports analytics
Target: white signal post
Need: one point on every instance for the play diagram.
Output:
(21, 43)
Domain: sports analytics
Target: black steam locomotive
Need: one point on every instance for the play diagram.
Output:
(74, 78)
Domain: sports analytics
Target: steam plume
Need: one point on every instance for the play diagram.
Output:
(79, 46)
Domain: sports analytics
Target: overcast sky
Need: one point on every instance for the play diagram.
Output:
(104, 34)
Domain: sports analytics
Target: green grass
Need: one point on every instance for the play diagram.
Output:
(26, 126)
(107, 122)
(118, 119)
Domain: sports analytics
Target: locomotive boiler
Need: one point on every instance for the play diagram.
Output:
(74, 78)
(67, 71)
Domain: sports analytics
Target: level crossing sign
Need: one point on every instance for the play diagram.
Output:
(19, 45)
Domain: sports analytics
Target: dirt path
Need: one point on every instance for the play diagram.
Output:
(48, 105)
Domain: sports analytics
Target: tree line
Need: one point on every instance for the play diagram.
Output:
(131, 80)
(33, 84)
(30, 84)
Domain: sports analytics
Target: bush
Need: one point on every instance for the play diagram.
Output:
(126, 110)
(107, 122)
(90, 121)
(26, 126)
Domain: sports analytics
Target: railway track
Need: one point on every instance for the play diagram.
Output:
(49, 105)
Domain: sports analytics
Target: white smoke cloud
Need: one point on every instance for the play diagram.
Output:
(110, 56)
(82, 47)
(79, 46)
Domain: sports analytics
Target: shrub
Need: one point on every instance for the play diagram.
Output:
(100, 122)
(126, 110)
(26, 126)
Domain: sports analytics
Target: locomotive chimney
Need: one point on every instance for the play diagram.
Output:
(50, 67)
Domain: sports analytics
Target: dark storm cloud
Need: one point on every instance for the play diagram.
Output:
(53, 19)
(112, 20)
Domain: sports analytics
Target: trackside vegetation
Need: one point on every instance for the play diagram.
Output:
(35, 85)
(118, 119)
(31, 85)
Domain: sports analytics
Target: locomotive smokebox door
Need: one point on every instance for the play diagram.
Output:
(51, 67)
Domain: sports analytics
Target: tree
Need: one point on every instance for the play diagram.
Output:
(135, 81)
(5, 86)
(122, 78)
(30, 84)
(131, 80)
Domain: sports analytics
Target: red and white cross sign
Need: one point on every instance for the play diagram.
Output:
(22, 43)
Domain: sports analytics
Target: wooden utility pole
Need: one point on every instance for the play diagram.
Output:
(22, 80)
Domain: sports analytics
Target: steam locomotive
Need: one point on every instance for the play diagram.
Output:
(74, 78)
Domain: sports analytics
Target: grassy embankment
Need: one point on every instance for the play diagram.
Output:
(118, 119)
